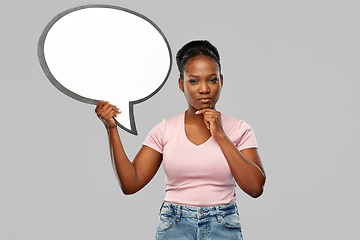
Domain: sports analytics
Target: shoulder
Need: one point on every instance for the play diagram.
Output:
(170, 122)
(159, 135)
(167, 125)
(231, 124)
(175, 120)
(239, 132)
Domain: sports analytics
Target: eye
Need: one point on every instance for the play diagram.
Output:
(215, 80)
(192, 81)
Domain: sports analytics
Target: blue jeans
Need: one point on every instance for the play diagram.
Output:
(198, 223)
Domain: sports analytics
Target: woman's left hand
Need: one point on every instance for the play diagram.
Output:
(212, 120)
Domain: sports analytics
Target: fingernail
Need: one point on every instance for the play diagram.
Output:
(197, 112)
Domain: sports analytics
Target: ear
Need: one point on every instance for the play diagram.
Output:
(221, 80)
(181, 84)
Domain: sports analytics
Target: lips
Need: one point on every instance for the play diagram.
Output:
(204, 100)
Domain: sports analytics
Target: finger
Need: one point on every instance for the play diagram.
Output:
(100, 104)
(114, 111)
(208, 122)
(202, 111)
(206, 111)
(115, 108)
(208, 117)
(101, 111)
(115, 114)
(108, 112)
(211, 116)
(213, 120)
(108, 104)
(109, 119)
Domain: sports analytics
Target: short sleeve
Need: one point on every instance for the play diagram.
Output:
(246, 138)
(155, 138)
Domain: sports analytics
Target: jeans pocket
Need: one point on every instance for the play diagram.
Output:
(166, 221)
(231, 221)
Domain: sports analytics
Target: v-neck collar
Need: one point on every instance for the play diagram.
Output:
(187, 139)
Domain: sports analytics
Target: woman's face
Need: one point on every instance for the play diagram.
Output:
(202, 83)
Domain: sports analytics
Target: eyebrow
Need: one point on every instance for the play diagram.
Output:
(196, 76)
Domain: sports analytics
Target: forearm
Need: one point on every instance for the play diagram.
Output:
(249, 176)
(124, 167)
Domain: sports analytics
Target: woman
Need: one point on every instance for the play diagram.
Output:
(203, 151)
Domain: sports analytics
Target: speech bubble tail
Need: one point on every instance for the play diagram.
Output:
(126, 120)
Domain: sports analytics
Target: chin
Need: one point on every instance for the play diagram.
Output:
(205, 107)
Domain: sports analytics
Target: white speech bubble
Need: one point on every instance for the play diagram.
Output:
(103, 52)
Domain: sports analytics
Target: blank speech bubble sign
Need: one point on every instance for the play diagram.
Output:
(103, 52)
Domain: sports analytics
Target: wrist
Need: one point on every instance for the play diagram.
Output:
(111, 129)
(220, 136)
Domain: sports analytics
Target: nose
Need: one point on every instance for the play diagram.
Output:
(204, 88)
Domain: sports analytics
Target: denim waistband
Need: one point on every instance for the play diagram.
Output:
(198, 212)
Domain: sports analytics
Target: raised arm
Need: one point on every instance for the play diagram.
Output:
(245, 165)
(134, 175)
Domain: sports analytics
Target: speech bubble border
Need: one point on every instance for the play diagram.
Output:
(61, 88)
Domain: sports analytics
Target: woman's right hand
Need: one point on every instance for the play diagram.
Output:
(105, 111)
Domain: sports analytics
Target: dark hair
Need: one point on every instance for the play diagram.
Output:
(193, 49)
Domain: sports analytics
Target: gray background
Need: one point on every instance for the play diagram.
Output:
(291, 70)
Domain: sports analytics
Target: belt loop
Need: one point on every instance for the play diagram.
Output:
(161, 207)
(218, 213)
(178, 213)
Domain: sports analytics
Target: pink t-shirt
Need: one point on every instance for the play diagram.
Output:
(198, 175)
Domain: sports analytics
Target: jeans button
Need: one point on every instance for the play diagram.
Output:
(201, 211)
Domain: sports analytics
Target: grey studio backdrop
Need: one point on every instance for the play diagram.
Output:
(291, 70)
